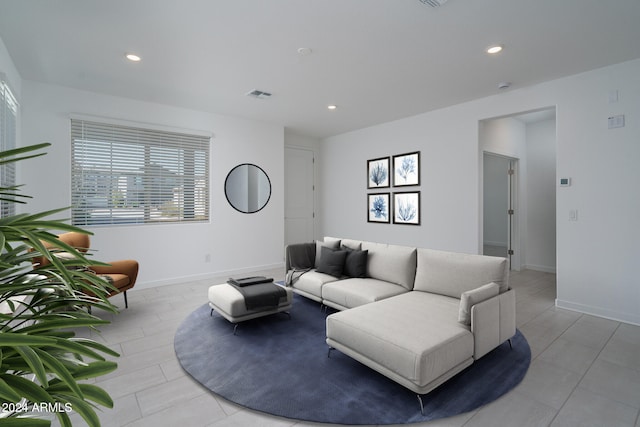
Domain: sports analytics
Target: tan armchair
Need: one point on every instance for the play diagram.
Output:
(122, 273)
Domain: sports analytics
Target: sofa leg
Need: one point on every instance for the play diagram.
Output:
(421, 404)
(211, 314)
(510, 344)
(329, 352)
(235, 328)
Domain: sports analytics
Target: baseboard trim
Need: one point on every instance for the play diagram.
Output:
(499, 244)
(207, 276)
(543, 268)
(630, 318)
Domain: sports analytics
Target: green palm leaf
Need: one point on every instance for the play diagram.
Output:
(56, 367)
(7, 393)
(24, 422)
(37, 367)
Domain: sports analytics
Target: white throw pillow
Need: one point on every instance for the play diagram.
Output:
(470, 298)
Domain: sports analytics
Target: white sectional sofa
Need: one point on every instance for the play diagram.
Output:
(418, 316)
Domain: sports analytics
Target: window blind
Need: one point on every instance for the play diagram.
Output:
(130, 175)
(8, 124)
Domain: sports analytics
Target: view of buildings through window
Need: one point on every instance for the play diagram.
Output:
(128, 175)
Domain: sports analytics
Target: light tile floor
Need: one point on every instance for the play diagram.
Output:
(585, 370)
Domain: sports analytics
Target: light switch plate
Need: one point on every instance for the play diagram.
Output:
(616, 121)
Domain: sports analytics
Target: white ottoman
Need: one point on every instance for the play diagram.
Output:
(229, 302)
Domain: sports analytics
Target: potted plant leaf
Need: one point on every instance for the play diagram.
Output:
(43, 363)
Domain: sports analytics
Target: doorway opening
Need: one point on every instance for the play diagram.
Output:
(518, 208)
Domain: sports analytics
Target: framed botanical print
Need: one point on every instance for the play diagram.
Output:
(378, 207)
(406, 169)
(378, 175)
(406, 208)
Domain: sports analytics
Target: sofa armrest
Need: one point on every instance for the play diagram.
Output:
(493, 322)
(300, 256)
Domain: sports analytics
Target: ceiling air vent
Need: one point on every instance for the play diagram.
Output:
(434, 3)
(259, 94)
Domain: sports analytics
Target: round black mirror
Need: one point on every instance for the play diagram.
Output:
(247, 188)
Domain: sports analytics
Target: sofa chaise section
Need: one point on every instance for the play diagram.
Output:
(414, 338)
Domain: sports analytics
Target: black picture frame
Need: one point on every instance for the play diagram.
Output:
(406, 169)
(406, 207)
(378, 173)
(379, 207)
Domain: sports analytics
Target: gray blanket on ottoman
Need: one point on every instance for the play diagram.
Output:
(261, 295)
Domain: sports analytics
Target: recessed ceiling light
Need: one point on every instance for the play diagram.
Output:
(494, 49)
(304, 51)
(332, 107)
(133, 57)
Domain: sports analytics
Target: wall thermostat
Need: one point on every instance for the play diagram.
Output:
(565, 182)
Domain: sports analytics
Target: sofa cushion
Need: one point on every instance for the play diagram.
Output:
(351, 244)
(331, 261)
(355, 265)
(331, 244)
(416, 335)
(391, 263)
(349, 293)
(473, 297)
(452, 274)
(311, 282)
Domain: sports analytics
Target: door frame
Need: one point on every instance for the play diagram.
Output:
(513, 203)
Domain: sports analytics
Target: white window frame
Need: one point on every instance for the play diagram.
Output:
(129, 174)
(9, 108)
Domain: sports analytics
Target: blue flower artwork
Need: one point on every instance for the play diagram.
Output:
(407, 208)
(406, 169)
(378, 207)
(378, 173)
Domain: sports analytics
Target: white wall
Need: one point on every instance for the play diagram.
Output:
(449, 195)
(167, 253)
(540, 235)
(596, 255)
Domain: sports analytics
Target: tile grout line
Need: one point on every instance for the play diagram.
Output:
(585, 372)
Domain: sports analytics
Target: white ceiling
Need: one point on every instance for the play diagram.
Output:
(378, 60)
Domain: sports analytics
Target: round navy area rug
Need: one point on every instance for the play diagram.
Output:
(279, 365)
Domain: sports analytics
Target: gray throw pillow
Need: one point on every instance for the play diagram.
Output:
(332, 244)
(331, 261)
(355, 265)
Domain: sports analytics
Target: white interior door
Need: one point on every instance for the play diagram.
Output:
(500, 208)
(299, 221)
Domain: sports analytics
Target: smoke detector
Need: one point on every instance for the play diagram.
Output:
(259, 94)
(434, 3)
